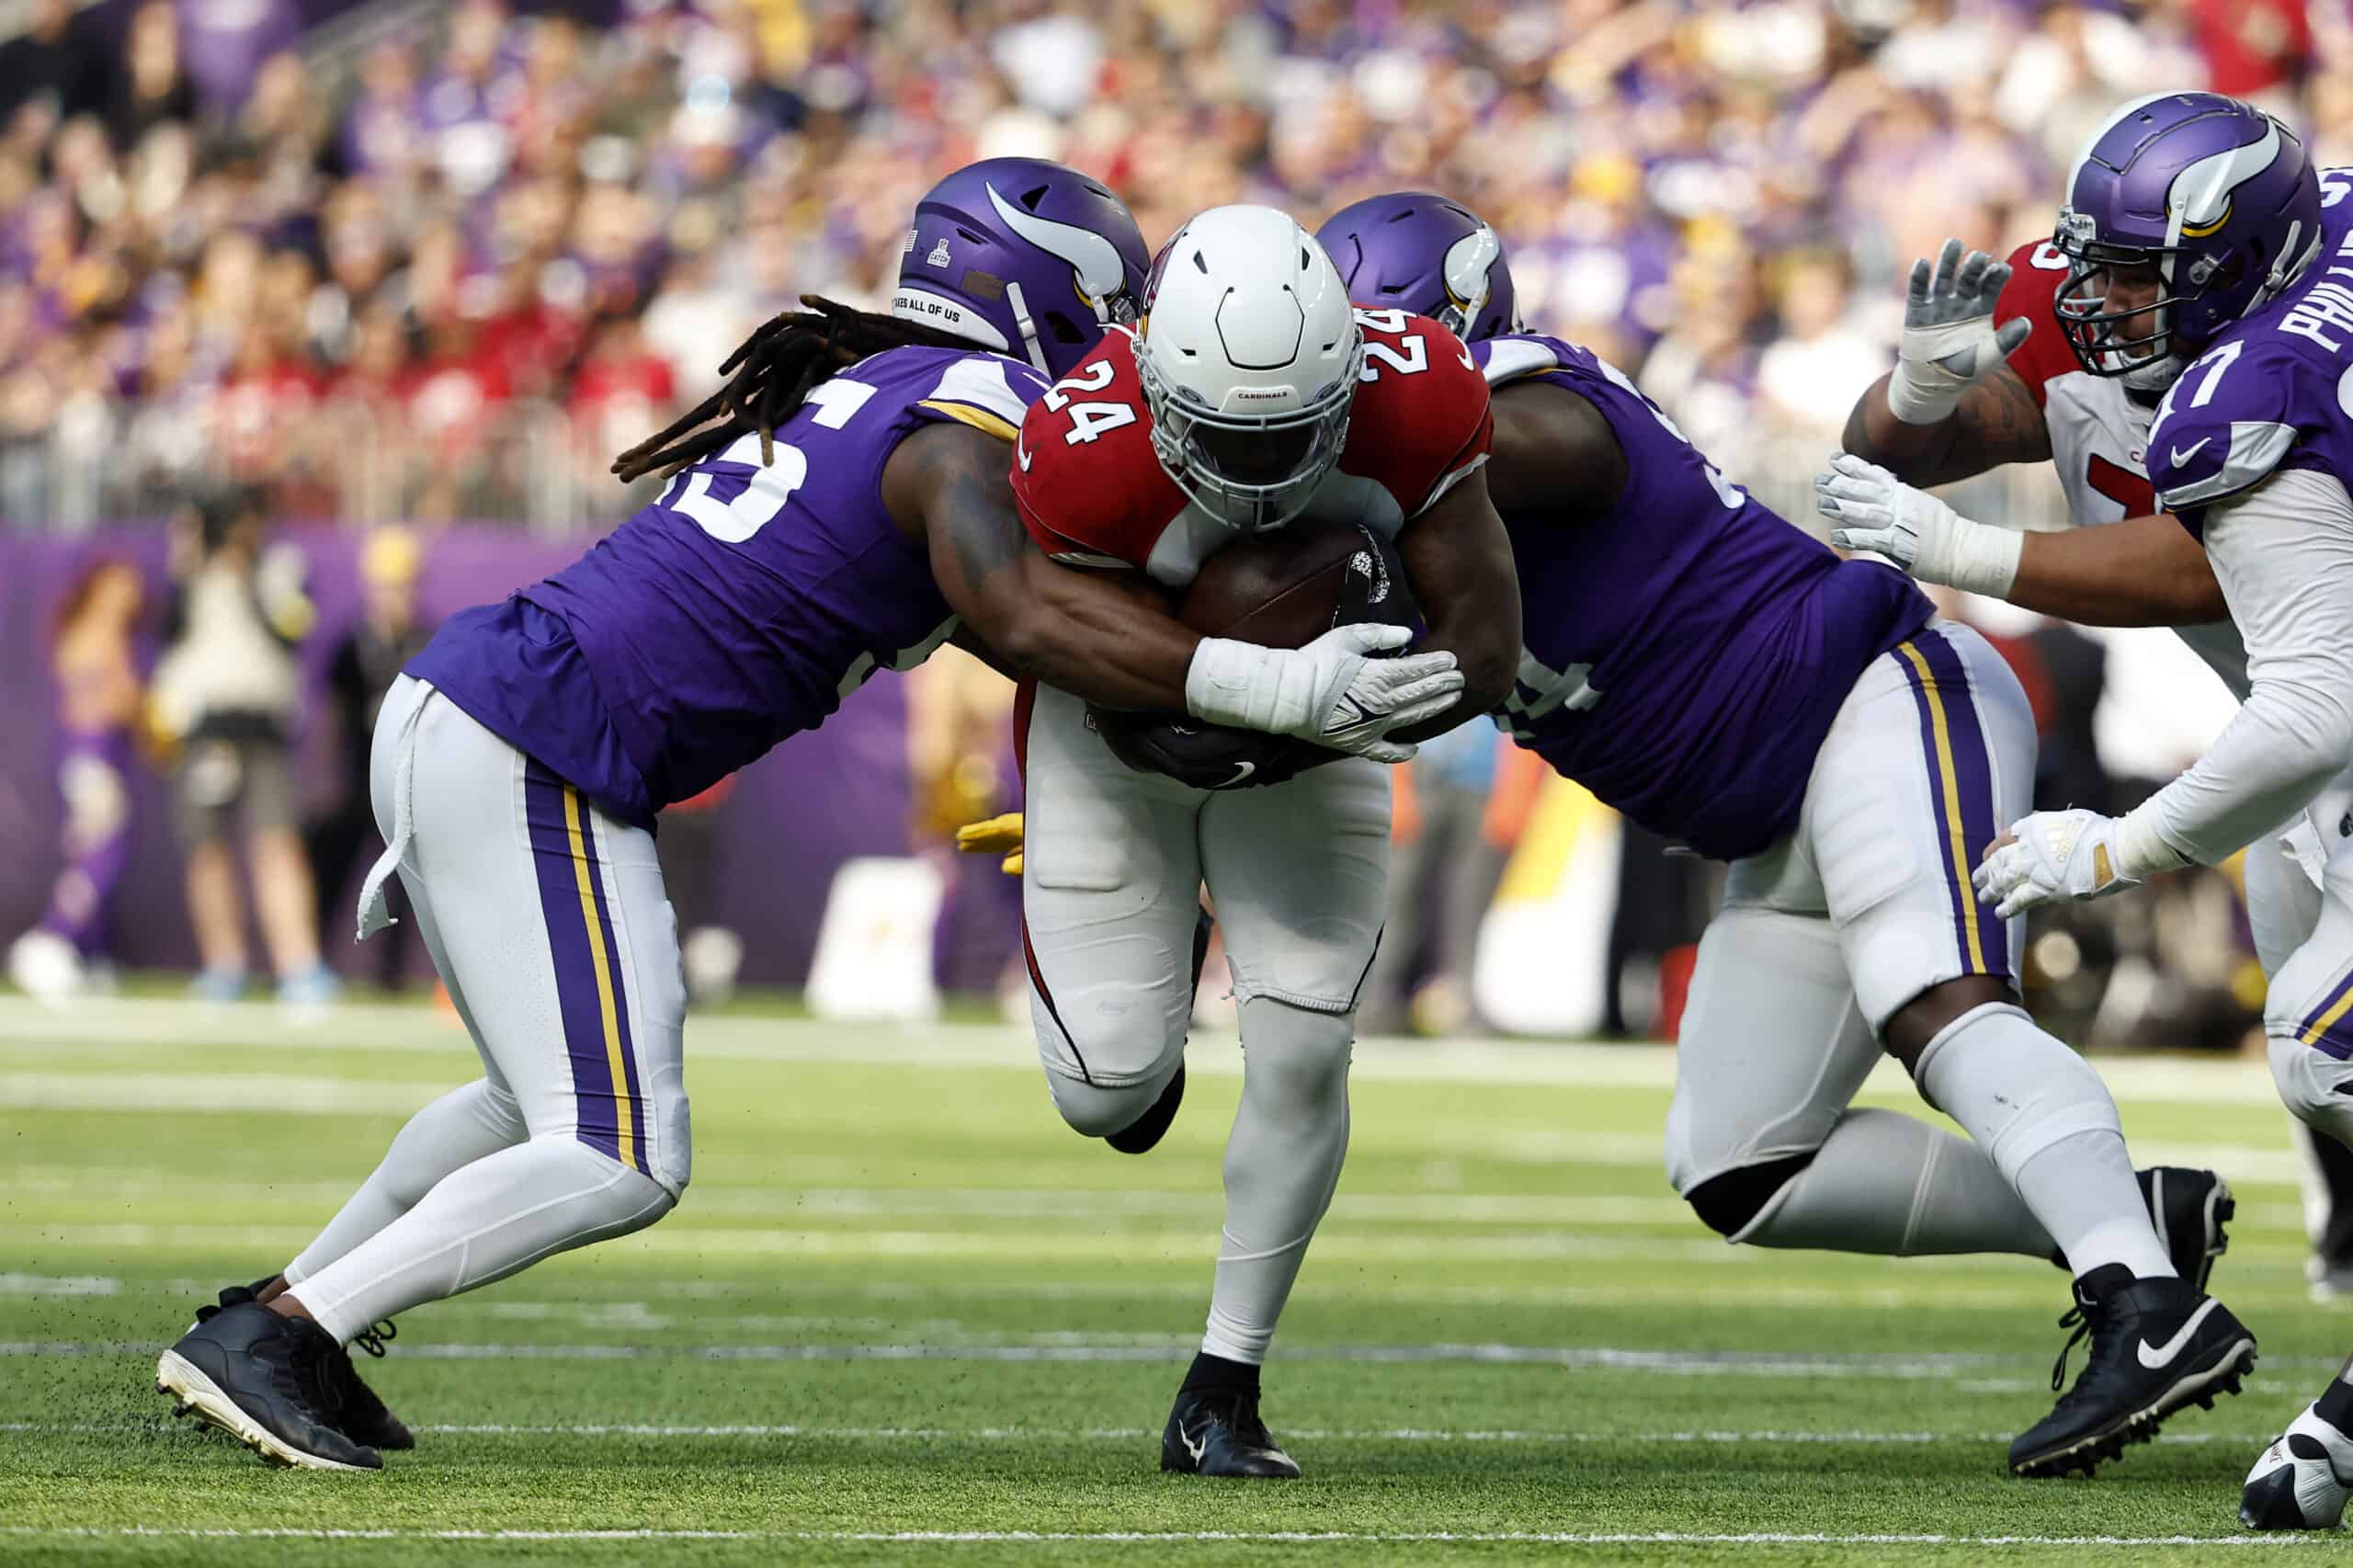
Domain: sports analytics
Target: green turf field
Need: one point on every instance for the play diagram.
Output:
(904, 1317)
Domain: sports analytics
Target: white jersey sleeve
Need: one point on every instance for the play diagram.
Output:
(2283, 555)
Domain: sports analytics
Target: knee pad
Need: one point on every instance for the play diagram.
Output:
(1102, 1110)
(2316, 1088)
(1295, 1052)
(635, 1201)
(1729, 1203)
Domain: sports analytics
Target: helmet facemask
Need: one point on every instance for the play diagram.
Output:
(2136, 345)
(1198, 445)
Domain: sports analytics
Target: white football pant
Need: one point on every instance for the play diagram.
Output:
(1113, 864)
(547, 922)
(1826, 935)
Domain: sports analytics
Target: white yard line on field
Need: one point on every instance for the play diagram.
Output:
(1501, 1437)
(1299, 1538)
(1080, 1349)
(405, 1027)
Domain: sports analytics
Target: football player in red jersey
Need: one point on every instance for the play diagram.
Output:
(1251, 396)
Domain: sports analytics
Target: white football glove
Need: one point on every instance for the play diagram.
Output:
(1333, 691)
(1870, 509)
(1948, 343)
(2055, 857)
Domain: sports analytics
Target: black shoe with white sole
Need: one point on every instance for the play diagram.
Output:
(360, 1416)
(2156, 1346)
(264, 1379)
(2191, 1211)
(1217, 1432)
(2302, 1480)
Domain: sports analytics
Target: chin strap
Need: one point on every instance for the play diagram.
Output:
(1030, 343)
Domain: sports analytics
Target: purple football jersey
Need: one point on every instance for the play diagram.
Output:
(1687, 649)
(740, 607)
(2271, 392)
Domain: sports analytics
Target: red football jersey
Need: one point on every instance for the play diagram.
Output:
(2099, 434)
(1093, 492)
(2036, 272)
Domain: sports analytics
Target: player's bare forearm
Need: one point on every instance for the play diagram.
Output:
(1997, 422)
(2142, 572)
(1107, 637)
(1458, 558)
(1103, 638)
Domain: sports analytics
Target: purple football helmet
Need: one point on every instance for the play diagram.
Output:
(1026, 256)
(1422, 253)
(2217, 195)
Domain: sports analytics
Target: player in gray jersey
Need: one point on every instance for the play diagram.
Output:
(2209, 259)
(1729, 682)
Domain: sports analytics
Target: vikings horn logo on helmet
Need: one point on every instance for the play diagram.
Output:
(1465, 272)
(1096, 260)
(2204, 188)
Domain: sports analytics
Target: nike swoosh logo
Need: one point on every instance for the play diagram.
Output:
(1196, 1448)
(1363, 715)
(2164, 1355)
(1240, 770)
(1467, 362)
(2183, 454)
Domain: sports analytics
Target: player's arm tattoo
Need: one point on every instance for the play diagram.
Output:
(2142, 572)
(1105, 638)
(1458, 558)
(1997, 422)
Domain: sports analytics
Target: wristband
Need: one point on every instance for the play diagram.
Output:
(1985, 559)
(2140, 848)
(1236, 682)
(1916, 400)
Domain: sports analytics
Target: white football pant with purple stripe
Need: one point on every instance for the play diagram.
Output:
(547, 922)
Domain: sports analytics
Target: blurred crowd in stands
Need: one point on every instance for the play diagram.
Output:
(405, 261)
(434, 260)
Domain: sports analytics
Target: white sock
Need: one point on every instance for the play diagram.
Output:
(500, 1214)
(1281, 1165)
(1884, 1182)
(464, 1125)
(2046, 1121)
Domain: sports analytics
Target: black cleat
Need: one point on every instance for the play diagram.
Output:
(1213, 1432)
(2296, 1486)
(2189, 1209)
(2158, 1344)
(263, 1378)
(361, 1417)
(1139, 1136)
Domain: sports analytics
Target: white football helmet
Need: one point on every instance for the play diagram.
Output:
(1249, 355)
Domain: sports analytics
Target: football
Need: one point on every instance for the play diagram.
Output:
(1283, 588)
(1286, 588)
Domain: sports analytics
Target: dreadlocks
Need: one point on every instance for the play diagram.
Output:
(770, 375)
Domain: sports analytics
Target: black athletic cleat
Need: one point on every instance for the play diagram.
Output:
(1139, 1136)
(2297, 1484)
(2189, 1209)
(362, 1417)
(263, 1378)
(1213, 1432)
(2158, 1344)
